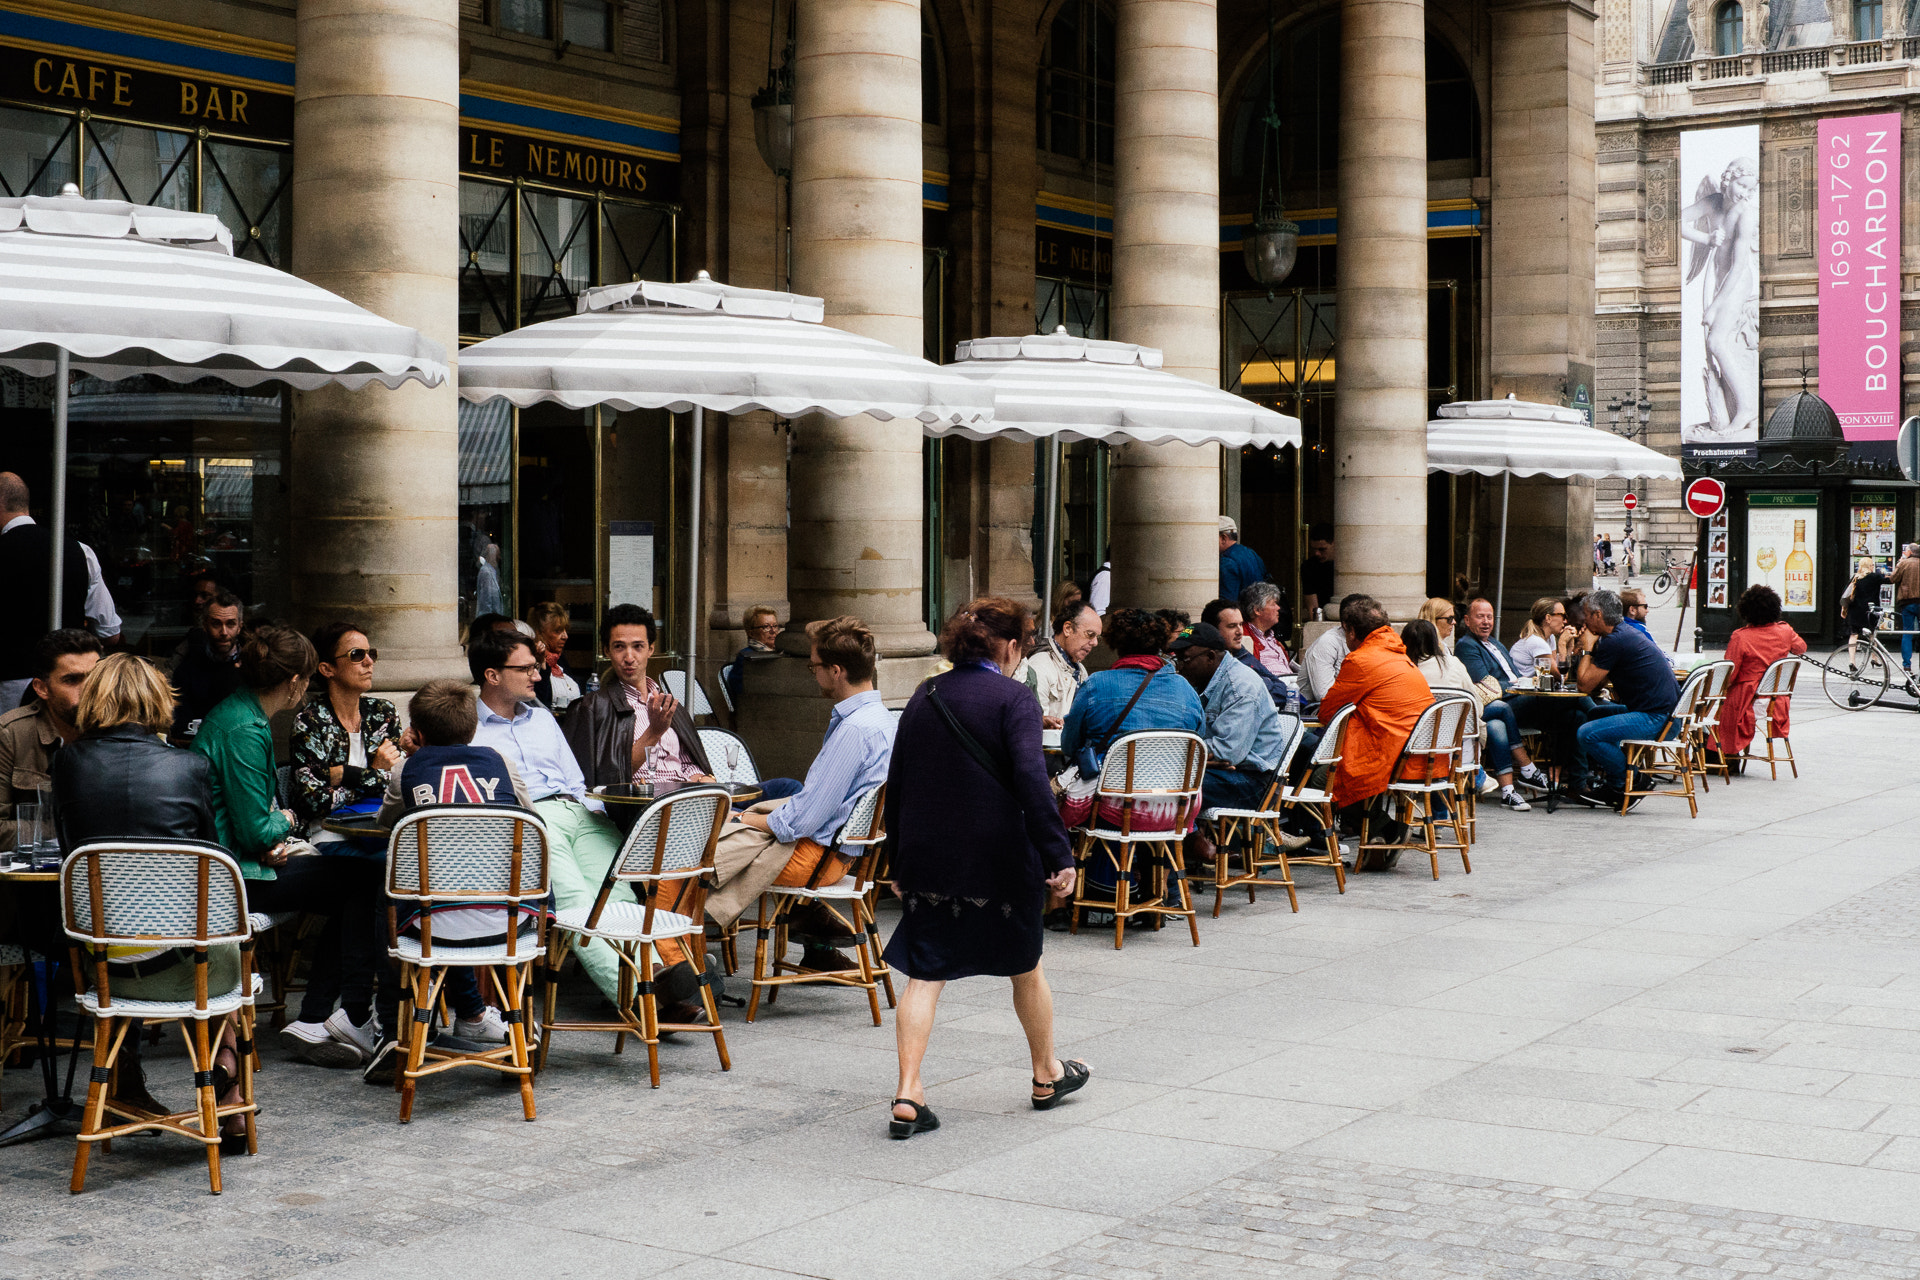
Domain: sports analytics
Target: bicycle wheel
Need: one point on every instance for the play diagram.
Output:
(1663, 583)
(1855, 684)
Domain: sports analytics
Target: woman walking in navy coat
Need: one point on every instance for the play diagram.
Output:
(977, 843)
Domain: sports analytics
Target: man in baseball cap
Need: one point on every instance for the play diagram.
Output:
(1243, 734)
(1240, 564)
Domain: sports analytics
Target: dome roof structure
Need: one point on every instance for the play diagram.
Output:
(1804, 426)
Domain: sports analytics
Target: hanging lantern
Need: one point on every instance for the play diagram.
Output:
(773, 121)
(1273, 242)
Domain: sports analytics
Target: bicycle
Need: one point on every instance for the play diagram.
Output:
(1857, 674)
(1663, 582)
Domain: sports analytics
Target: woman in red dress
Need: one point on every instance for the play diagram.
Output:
(1751, 649)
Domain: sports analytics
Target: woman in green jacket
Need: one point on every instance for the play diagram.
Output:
(237, 739)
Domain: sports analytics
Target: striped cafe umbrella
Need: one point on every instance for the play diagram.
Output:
(1057, 387)
(702, 346)
(1510, 437)
(117, 290)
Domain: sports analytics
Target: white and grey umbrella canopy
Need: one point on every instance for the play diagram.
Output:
(1518, 437)
(130, 289)
(651, 345)
(1057, 385)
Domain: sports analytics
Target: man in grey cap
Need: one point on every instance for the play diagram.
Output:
(1243, 733)
(1240, 565)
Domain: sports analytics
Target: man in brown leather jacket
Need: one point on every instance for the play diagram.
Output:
(610, 738)
(30, 735)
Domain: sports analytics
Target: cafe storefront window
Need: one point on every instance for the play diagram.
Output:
(165, 480)
(567, 505)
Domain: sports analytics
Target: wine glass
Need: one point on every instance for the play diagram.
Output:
(1765, 559)
(733, 761)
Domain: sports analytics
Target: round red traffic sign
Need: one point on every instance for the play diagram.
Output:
(1631, 501)
(1705, 497)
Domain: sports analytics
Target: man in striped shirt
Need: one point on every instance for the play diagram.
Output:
(782, 842)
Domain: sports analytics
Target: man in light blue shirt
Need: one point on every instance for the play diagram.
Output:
(581, 842)
(784, 841)
(1243, 733)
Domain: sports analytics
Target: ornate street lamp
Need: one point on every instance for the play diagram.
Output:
(1272, 243)
(773, 117)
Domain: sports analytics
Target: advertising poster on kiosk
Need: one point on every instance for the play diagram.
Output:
(1720, 293)
(1783, 530)
(1859, 240)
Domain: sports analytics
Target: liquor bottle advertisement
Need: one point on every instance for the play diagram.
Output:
(1783, 532)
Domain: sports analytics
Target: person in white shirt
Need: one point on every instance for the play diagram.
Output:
(1057, 668)
(1100, 590)
(1545, 621)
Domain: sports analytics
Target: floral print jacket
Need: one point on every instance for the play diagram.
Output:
(319, 743)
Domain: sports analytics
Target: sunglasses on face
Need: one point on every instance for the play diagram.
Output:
(359, 655)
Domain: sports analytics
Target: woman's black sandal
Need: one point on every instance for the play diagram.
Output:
(1073, 1075)
(923, 1120)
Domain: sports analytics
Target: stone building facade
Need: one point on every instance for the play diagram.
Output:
(1668, 66)
(958, 168)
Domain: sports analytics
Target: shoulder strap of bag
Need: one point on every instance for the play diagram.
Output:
(1113, 732)
(970, 744)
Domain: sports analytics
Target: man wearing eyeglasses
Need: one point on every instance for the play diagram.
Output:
(1056, 670)
(763, 628)
(582, 843)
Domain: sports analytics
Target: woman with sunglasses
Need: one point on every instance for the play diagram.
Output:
(1540, 636)
(344, 741)
(1443, 614)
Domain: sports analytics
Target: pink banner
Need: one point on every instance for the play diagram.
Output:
(1859, 222)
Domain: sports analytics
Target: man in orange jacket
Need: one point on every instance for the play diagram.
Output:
(1387, 693)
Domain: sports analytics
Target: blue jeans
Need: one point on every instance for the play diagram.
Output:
(1600, 739)
(1232, 789)
(776, 789)
(1503, 730)
(1909, 622)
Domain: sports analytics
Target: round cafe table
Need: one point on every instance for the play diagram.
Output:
(626, 801)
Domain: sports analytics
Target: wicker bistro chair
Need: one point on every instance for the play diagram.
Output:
(1251, 838)
(1776, 686)
(443, 857)
(674, 839)
(151, 895)
(729, 756)
(675, 679)
(1317, 798)
(1466, 774)
(1704, 723)
(1157, 765)
(14, 975)
(859, 839)
(1424, 770)
(1671, 751)
(726, 697)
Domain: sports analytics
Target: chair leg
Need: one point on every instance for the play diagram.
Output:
(93, 1113)
(549, 994)
(517, 978)
(865, 962)
(246, 1079)
(649, 1013)
(759, 958)
(1122, 887)
(209, 1121)
(864, 910)
(422, 1003)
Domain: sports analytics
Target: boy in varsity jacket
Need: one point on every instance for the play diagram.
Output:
(444, 767)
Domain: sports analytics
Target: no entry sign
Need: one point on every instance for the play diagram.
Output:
(1705, 497)
(1631, 501)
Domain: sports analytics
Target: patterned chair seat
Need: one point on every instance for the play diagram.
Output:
(625, 922)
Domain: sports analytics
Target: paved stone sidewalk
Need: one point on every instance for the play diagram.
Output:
(1640, 1046)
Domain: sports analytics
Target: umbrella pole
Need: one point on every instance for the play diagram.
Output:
(59, 530)
(693, 551)
(1052, 534)
(1500, 587)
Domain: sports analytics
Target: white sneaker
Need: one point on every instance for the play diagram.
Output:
(313, 1042)
(489, 1026)
(1489, 786)
(1512, 799)
(365, 1039)
(1532, 778)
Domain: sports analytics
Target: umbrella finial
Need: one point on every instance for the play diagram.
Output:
(703, 277)
(67, 189)
(1059, 331)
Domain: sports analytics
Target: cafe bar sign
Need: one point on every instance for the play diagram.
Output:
(75, 81)
(572, 163)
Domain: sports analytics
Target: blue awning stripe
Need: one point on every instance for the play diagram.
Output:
(145, 48)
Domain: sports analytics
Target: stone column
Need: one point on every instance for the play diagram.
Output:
(855, 484)
(1166, 289)
(1540, 286)
(1380, 442)
(376, 200)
